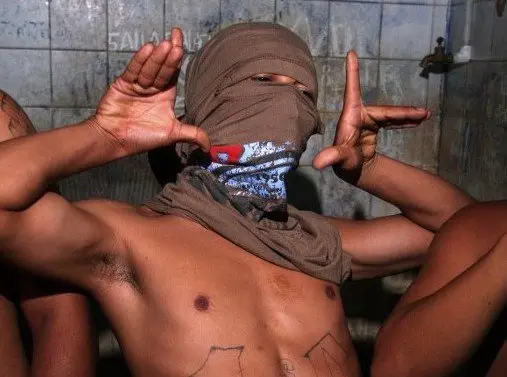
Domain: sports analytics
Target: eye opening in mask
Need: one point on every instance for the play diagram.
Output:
(282, 79)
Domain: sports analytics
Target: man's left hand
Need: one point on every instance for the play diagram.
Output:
(356, 133)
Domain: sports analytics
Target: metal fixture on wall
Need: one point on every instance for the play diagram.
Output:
(500, 6)
(438, 62)
(464, 54)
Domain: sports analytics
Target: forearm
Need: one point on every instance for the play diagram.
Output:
(28, 165)
(13, 362)
(434, 335)
(382, 246)
(64, 341)
(424, 198)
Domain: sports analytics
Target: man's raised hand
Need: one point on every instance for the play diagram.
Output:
(356, 132)
(138, 109)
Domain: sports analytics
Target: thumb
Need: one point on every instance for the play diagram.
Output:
(191, 134)
(334, 155)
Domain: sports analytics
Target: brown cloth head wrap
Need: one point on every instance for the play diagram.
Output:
(258, 130)
(222, 99)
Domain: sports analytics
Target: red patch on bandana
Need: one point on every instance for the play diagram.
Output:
(229, 154)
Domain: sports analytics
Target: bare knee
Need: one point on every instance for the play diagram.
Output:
(481, 210)
(13, 120)
(484, 219)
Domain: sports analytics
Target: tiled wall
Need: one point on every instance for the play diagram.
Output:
(57, 58)
(473, 151)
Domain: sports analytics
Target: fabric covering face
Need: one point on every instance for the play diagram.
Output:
(222, 98)
(258, 131)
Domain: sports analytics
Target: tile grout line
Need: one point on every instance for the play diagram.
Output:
(108, 81)
(432, 37)
(493, 29)
(326, 62)
(322, 177)
(50, 51)
(442, 97)
(499, 59)
(495, 60)
(56, 49)
(164, 13)
(377, 92)
(328, 28)
(392, 3)
(220, 15)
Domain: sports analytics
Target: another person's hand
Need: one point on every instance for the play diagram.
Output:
(138, 109)
(355, 142)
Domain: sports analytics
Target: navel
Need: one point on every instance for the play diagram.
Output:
(201, 303)
(330, 293)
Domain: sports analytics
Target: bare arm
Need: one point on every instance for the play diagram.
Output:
(58, 318)
(64, 340)
(392, 244)
(423, 198)
(30, 231)
(12, 356)
(461, 290)
(42, 231)
(382, 246)
(47, 157)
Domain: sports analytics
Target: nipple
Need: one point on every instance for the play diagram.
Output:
(201, 303)
(330, 293)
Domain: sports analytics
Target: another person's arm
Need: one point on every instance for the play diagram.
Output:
(13, 362)
(462, 288)
(63, 342)
(63, 336)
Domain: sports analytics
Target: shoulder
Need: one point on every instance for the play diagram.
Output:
(130, 222)
(109, 212)
(99, 206)
(115, 219)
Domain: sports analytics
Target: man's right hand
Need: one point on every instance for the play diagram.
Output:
(138, 109)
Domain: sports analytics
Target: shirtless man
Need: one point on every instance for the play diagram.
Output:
(58, 318)
(183, 300)
(445, 314)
